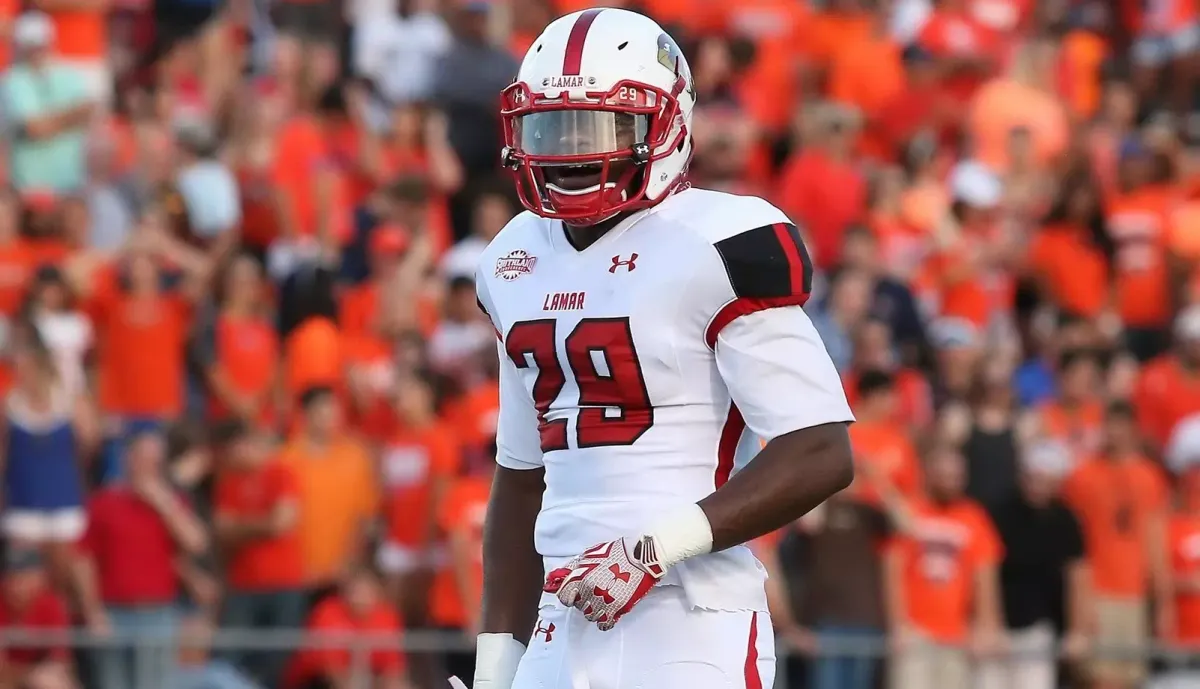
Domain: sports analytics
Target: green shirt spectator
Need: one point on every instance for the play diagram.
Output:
(46, 109)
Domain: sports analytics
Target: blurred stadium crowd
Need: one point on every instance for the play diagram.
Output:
(247, 386)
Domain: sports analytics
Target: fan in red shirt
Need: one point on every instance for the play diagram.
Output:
(1183, 549)
(822, 188)
(257, 501)
(923, 103)
(140, 533)
(358, 608)
(1168, 388)
(965, 49)
(29, 603)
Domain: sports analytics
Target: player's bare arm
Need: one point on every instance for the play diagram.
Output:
(512, 568)
(512, 575)
(793, 474)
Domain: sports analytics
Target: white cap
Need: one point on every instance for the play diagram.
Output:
(1183, 449)
(1047, 457)
(33, 30)
(1187, 323)
(975, 184)
(953, 333)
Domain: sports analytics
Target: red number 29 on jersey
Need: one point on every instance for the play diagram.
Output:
(614, 404)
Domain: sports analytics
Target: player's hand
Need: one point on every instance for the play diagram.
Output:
(608, 579)
(456, 683)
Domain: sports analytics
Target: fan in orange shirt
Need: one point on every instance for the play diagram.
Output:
(338, 490)
(1081, 60)
(969, 274)
(941, 582)
(867, 72)
(474, 415)
(877, 439)
(1120, 499)
(360, 310)
(1168, 388)
(839, 28)
(241, 350)
(778, 31)
(417, 465)
(364, 309)
(901, 244)
(1065, 257)
(1025, 98)
(142, 328)
(1076, 419)
(311, 188)
(1184, 242)
(1137, 220)
(313, 357)
(458, 587)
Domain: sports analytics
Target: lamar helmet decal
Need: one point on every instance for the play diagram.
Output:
(671, 57)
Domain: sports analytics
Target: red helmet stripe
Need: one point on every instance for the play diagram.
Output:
(579, 31)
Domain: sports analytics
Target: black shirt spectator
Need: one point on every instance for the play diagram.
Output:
(1041, 543)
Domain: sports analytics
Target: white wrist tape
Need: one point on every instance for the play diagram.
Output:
(683, 534)
(496, 660)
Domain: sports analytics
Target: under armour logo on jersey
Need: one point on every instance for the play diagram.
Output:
(618, 262)
(547, 632)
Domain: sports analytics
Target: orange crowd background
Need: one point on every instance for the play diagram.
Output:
(247, 386)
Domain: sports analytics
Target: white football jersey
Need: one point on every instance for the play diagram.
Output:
(641, 371)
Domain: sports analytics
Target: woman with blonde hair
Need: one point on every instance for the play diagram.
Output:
(48, 430)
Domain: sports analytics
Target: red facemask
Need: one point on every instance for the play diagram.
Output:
(609, 137)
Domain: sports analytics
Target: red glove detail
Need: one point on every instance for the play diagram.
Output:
(608, 579)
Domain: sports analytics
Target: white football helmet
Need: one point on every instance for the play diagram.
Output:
(599, 119)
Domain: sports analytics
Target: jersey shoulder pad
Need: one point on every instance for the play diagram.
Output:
(760, 248)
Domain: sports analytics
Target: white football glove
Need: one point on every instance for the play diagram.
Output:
(608, 579)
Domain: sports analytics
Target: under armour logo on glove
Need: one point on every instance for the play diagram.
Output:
(607, 580)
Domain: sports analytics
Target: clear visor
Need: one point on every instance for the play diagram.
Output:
(579, 132)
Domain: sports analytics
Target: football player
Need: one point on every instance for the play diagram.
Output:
(649, 334)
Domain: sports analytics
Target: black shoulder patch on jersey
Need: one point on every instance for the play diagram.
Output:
(768, 262)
